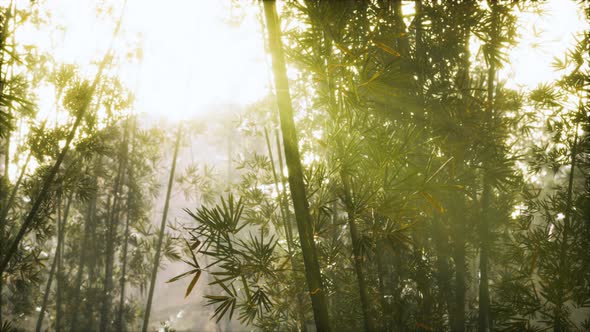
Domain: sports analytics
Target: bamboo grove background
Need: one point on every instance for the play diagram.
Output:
(390, 180)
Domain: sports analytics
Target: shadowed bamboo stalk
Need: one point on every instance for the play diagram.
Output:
(44, 192)
(484, 323)
(61, 237)
(111, 234)
(357, 255)
(284, 210)
(55, 266)
(12, 196)
(46, 294)
(558, 323)
(121, 312)
(146, 317)
(84, 245)
(296, 183)
(484, 292)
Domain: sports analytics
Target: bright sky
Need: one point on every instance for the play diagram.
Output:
(197, 54)
(530, 61)
(192, 58)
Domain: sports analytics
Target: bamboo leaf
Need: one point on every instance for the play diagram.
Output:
(192, 284)
(180, 276)
(433, 202)
(386, 48)
(216, 298)
(439, 169)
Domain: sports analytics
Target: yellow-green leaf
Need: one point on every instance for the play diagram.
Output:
(386, 48)
(193, 283)
(433, 202)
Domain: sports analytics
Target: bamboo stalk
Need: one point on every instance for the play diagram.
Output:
(111, 235)
(296, 183)
(146, 318)
(121, 314)
(44, 192)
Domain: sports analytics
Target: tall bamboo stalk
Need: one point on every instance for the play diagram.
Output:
(7, 201)
(296, 183)
(3, 37)
(357, 255)
(111, 234)
(558, 324)
(284, 211)
(459, 200)
(441, 244)
(146, 317)
(285, 203)
(120, 315)
(47, 291)
(55, 268)
(85, 243)
(91, 260)
(283, 191)
(484, 320)
(334, 102)
(44, 192)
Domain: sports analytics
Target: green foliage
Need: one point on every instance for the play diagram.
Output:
(429, 182)
(252, 262)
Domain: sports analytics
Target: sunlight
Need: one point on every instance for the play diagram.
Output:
(180, 60)
(541, 38)
(194, 59)
(192, 54)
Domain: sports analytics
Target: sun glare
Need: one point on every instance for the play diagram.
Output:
(196, 54)
(193, 59)
(541, 38)
(190, 55)
(186, 58)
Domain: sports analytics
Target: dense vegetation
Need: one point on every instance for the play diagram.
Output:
(390, 181)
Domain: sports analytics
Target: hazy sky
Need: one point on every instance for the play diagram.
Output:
(193, 58)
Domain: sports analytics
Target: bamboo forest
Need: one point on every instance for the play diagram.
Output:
(304, 165)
